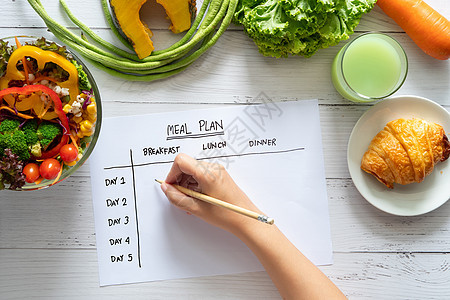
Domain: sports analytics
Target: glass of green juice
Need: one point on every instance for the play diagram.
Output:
(371, 67)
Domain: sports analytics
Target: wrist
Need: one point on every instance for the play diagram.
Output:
(250, 230)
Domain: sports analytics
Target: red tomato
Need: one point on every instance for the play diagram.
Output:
(50, 168)
(68, 153)
(31, 172)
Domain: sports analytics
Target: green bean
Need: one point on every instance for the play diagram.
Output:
(94, 36)
(185, 61)
(112, 25)
(178, 50)
(133, 77)
(54, 26)
(200, 33)
(206, 44)
(119, 65)
(211, 22)
(190, 32)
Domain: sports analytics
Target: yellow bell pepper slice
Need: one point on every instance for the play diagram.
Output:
(42, 57)
(22, 103)
(39, 109)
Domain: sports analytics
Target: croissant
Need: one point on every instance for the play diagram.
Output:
(405, 151)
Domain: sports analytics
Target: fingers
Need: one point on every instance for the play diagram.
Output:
(188, 182)
(208, 178)
(183, 164)
(204, 173)
(211, 179)
(179, 199)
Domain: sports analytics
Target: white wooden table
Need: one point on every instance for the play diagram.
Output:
(47, 238)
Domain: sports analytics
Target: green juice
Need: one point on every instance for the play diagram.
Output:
(371, 67)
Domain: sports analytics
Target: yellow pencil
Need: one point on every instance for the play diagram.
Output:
(235, 208)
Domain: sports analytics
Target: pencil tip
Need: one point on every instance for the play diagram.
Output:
(158, 181)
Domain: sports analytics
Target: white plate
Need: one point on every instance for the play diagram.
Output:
(404, 200)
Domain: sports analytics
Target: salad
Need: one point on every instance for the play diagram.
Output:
(48, 113)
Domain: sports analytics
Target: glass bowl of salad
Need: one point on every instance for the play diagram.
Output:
(50, 113)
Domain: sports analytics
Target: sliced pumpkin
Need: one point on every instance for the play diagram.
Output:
(180, 13)
(126, 15)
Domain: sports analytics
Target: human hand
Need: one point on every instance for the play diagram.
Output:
(293, 274)
(210, 179)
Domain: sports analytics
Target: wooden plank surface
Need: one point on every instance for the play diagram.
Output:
(47, 238)
(73, 274)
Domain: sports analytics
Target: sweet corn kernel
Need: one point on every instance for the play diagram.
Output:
(67, 108)
(80, 134)
(86, 124)
(71, 164)
(84, 130)
(77, 119)
(92, 118)
(91, 109)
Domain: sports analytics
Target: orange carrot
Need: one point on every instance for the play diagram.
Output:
(24, 62)
(18, 114)
(40, 78)
(39, 180)
(424, 25)
(18, 44)
(74, 139)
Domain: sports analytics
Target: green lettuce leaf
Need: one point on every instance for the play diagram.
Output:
(52, 46)
(83, 80)
(5, 53)
(299, 27)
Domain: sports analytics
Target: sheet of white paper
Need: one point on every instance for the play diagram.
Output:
(272, 150)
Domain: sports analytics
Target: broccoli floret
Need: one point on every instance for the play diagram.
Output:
(17, 142)
(47, 132)
(29, 128)
(9, 125)
(2, 143)
(31, 137)
(30, 124)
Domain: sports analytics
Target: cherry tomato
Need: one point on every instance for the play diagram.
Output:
(50, 168)
(68, 153)
(31, 172)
